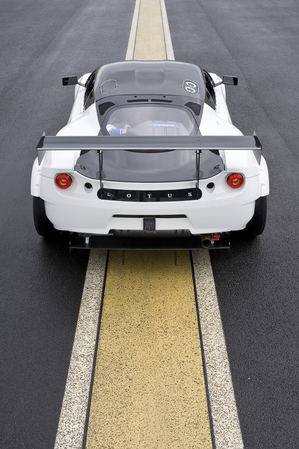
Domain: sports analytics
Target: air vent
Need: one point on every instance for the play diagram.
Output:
(105, 106)
(138, 101)
(161, 101)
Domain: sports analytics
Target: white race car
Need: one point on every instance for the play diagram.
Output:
(149, 159)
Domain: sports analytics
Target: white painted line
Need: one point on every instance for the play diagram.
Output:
(167, 37)
(132, 38)
(225, 419)
(75, 401)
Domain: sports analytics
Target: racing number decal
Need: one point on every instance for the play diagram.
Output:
(190, 86)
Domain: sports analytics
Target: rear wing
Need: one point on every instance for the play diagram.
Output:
(146, 143)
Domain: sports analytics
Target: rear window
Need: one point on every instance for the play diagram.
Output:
(150, 120)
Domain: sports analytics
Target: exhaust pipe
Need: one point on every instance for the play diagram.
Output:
(206, 240)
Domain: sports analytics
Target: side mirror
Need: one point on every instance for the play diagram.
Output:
(228, 80)
(69, 81)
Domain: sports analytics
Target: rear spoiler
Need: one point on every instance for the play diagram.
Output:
(146, 143)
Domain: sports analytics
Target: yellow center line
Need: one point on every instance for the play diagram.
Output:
(150, 43)
(149, 389)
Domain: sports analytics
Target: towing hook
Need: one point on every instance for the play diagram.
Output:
(206, 240)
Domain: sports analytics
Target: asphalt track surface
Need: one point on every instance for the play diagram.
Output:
(257, 285)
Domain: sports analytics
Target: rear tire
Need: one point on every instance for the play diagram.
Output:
(257, 224)
(42, 224)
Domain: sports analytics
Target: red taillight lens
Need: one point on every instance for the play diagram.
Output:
(63, 180)
(235, 180)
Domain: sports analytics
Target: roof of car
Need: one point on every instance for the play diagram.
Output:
(150, 78)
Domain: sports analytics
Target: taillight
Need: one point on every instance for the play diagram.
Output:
(235, 180)
(63, 180)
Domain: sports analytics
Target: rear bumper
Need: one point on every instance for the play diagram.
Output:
(197, 218)
(220, 209)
